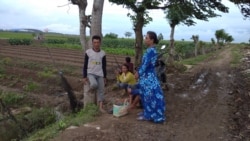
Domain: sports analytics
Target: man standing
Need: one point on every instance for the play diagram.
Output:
(94, 74)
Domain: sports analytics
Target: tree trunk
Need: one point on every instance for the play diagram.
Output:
(171, 46)
(203, 48)
(96, 20)
(138, 38)
(82, 4)
(195, 48)
(217, 45)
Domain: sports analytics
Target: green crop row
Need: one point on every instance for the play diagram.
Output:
(55, 41)
(14, 41)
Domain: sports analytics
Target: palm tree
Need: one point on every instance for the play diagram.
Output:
(196, 41)
(229, 39)
(219, 34)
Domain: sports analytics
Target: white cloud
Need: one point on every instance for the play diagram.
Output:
(48, 14)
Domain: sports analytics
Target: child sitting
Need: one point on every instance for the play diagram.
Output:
(125, 78)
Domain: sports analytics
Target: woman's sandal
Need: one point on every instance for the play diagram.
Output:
(141, 118)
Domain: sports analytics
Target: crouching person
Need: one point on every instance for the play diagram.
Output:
(134, 93)
(125, 78)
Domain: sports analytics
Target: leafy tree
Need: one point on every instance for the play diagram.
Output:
(195, 38)
(139, 18)
(201, 45)
(111, 36)
(128, 34)
(244, 6)
(160, 37)
(213, 42)
(222, 37)
(199, 9)
(219, 35)
(229, 39)
(180, 12)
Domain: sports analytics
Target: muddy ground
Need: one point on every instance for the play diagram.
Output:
(209, 102)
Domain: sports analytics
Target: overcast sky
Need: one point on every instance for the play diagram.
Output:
(42, 14)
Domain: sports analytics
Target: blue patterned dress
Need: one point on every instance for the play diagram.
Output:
(150, 89)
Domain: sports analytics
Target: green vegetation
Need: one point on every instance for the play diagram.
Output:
(46, 73)
(31, 86)
(236, 55)
(196, 60)
(48, 132)
(120, 51)
(19, 35)
(120, 46)
(2, 70)
(15, 41)
(30, 35)
(6, 61)
(3, 62)
(31, 122)
(11, 98)
(38, 123)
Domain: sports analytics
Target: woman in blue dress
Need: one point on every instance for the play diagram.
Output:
(150, 89)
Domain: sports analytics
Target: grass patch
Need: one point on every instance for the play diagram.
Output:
(196, 60)
(27, 122)
(31, 86)
(3, 62)
(236, 56)
(2, 71)
(46, 73)
(6, 61)
(180, 67)
(85, 115)
(11, 98)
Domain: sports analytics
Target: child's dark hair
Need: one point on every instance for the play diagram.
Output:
(97, 37)
(128, 59)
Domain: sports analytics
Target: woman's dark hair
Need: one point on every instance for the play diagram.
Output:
(97, 37)
(152, 35)
(125, 66)
(128, 59)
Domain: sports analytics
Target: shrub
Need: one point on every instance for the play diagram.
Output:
(10, 98)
